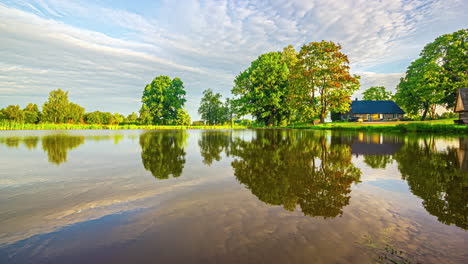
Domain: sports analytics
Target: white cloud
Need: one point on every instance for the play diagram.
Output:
(100, 53)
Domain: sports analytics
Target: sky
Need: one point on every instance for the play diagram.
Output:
(104, 52)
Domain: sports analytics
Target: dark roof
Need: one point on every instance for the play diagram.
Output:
(463, 93)
(375, 107)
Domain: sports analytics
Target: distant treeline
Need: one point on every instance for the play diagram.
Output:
(58, 109)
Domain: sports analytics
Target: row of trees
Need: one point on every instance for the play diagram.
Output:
(58, 109)
(280, 87)
(163, 100)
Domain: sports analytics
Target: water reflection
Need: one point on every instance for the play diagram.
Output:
(289, 168)
(57, 146)
(439, 177)
(163, 152)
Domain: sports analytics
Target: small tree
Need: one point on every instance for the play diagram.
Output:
(55, 110)
(183, 118)
(211, 107)
(377, 93)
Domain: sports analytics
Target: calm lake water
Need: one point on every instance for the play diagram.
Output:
(243, 196)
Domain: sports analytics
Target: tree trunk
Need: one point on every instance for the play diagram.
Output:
(424, 114)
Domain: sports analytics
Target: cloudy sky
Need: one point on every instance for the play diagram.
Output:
(105, 51)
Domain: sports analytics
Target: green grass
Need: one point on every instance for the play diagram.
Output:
(5, 125)
(433, 126)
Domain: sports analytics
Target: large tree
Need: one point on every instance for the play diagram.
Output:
(323, 82)
(433, 79)
(262, 89)
(376, 93)
(163, 97)
(56, 110)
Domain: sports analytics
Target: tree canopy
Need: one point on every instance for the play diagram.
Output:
(162, 98)
(376, 93)
(433, 79)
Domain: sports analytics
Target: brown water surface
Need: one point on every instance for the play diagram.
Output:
(243, 196)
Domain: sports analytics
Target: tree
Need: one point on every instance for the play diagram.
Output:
(31, 114)
(163, 98)
(322, 80)
(377, 93)
(210, 107)
(93, 118)
(75, 113)
(183, 118)
(433, 79)
(13, 113)
(145, 117)
(131, 118)
(419, 90)
(262, 89)
(117, 118)
(163, 152)
(56, 108)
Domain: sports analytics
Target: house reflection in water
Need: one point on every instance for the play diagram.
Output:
(375, 144)
(462, 155)
(377, 149)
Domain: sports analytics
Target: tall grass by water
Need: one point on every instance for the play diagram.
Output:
(6, 125)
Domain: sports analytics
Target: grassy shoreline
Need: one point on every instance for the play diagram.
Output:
(435, 126)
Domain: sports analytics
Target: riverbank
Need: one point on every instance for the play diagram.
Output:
(18, 126)
(433, 126)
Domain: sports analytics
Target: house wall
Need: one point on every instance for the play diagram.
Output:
(373, 117)
(463, 116)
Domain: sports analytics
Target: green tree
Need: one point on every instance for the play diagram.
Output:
(434, 78)
(183, 118)
(13, 113)
(131, 118)
(117, 119)
(163, 98)
(75, 113)
(377, 93)
(210, 107)
(93, 118)
(31, 114)
(56, 109)
(262, 89)
(322, 81)
(145, 117)
(163, 152)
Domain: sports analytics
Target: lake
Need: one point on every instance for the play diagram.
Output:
(242, 196)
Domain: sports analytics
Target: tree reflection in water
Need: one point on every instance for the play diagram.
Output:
(57, 146)
(438, 177)
(163, 152)
(212, 144)
(289, 168)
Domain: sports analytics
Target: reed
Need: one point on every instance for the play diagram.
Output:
(6, 125)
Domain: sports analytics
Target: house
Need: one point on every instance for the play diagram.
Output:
(374, 111)
(461, 107)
